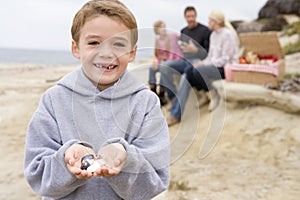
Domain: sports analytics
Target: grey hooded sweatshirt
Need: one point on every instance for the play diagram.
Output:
(75, 111)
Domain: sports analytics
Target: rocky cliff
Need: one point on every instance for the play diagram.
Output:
(276, 7)
(271, 16)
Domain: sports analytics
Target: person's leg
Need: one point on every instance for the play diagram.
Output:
(202, 77)
(152, 84)
(152, 79)
(197, 81)
(167, 70)
(182, 95)
(180, 101)
(205, 76)
(222, 72)
(161, 94)
(214, 96)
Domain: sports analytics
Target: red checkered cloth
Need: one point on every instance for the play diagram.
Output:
(272, 68)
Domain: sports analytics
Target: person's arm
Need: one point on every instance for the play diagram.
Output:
(158, 60)
(169, 55)
(146, 169)
(155, 63)
(208, 60)
(227, 51)
(44, 167)
(206, 40)
(175, 52)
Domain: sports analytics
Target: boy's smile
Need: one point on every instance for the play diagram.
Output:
(104, 66)
(104, 49)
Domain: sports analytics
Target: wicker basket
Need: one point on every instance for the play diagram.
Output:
(265, 43)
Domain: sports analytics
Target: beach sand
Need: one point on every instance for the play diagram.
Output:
(257, 155)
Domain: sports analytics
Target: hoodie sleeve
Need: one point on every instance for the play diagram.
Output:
(44, 166)
(146, 170)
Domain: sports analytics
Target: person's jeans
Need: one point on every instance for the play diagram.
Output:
(181, 97)
(152, 77)
(167, 71)
(201, 78)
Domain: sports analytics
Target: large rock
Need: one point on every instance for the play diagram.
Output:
(251, 93)
(272, 17)
(272, 24)
(276, 23)
(246, 27)
(276, 7)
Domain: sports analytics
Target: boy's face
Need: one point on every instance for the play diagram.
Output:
(104, 50)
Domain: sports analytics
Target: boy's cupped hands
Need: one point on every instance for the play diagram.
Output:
(113, 154)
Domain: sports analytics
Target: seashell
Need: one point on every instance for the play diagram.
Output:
(87, 161)
(98, 163)
(91, 163)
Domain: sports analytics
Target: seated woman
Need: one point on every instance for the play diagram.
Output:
(223, 49)
(166, 48)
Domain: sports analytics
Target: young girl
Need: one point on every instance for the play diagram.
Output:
(166, 48)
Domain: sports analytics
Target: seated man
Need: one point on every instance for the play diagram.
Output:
(194, 44)
(223, 49)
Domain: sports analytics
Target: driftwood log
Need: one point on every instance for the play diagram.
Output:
(251, 93)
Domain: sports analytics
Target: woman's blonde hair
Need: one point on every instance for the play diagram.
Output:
(110, 8)
(218, 16)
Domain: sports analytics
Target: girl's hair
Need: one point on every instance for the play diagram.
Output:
(110, 8)
(157, 25)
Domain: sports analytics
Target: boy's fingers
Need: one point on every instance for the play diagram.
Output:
(67, 156)
(113, 172)
(70, 156)
(77, 171)
(117, 163)
(83, 174)
(120, 159)
(71, 162)
(74, 170)
(106, 172)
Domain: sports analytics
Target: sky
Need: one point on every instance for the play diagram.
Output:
(46, 24)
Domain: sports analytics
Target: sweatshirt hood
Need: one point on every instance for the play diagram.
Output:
(77, 82)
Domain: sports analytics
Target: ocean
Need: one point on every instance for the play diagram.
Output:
(51, 57)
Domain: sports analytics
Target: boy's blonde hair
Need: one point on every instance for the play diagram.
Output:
(110, 8)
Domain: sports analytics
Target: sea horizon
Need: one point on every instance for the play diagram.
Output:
(51, 57)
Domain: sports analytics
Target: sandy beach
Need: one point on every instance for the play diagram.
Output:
(257, 155)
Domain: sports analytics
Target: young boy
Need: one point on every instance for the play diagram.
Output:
(99, 109)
